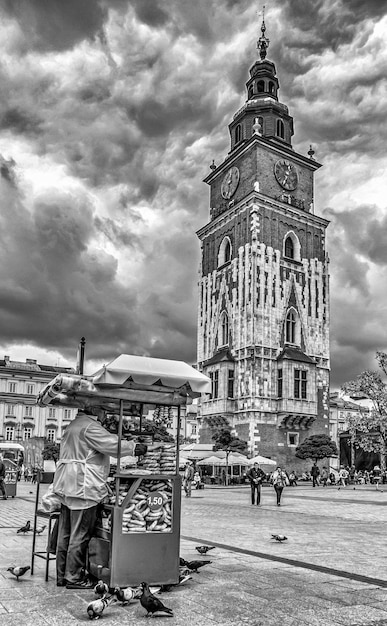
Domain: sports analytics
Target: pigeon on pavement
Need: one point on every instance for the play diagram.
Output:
(204, 549)
(39, 530)
(183, 562)
(101, 589)
(97, 607)
(18, 571)
(193, 566)
(279, 538)
(151, 603)
(25, 529)
(126, 595)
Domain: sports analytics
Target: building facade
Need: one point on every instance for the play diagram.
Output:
(20, 417)
(263, 312)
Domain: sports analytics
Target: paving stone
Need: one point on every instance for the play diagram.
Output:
(336, 530)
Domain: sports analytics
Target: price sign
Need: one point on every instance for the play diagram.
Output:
(155, 501)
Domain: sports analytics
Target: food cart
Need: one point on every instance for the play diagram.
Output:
(11, 453)
(139, 534)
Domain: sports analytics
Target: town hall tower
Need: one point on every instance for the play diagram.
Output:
(263, 319)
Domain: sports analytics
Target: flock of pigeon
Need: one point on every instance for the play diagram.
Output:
(28, 528)
(144, 593)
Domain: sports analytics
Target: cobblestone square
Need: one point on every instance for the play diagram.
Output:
(330, 571)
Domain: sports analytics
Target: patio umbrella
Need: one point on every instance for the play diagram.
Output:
(261, 460)
(234, 459)
(210, 460)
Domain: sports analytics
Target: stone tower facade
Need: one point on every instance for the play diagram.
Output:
(263, 315)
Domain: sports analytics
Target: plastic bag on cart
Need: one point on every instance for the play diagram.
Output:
(50, 502)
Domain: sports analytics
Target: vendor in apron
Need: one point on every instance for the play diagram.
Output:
(80, 482)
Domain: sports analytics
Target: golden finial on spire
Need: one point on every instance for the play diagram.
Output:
(263, 41)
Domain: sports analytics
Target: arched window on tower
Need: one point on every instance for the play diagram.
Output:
(261, 86)
(251, 92)
(271, 87)
(291, 246)
(292, 327)
(280, 129)
(225, 252)
(238, 133)
(224, 329)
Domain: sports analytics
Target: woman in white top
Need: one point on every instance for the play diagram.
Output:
(279, 480)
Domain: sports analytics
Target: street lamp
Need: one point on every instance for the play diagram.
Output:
(228, 450)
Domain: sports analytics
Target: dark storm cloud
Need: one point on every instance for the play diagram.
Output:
(364, 232)
(357, 244)
(66, 288)
(327, 23)
(19, 121)
(150, 12)
(7, 169)
(116, 233)
(56, 24)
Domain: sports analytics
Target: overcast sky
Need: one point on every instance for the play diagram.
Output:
(110, 115)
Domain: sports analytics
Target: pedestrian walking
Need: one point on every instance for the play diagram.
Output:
(188, 478)
(293, 479)
(80, 483)
(324, 476)
(255, 475)
(315, 473)
(377, 474)
(2, 478)
(343, 477)
(279, 480)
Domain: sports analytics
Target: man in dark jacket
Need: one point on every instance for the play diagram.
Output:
(2, 478)
(315, 472)
(255, 476)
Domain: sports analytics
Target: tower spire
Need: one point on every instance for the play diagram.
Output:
(263, 41)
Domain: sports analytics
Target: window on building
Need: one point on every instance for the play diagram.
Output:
(194, 429)
(27, 433)
(291, 324)
(51, 434)
(280, 383)
(214, 377)
(260, 86)
(31, 390)
(293, 439)
(67, 414)
(289, 248)
(12, 387)
(225, 251)
(251, 91)
(230, 384)
(224, 329)
(51, 412)
(300, 384)
(271, 87)
(10, 409)
(280, 129)
(238, 133)
(9, 433)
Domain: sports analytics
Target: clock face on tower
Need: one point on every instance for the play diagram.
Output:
(286, 174)
(230, 183)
